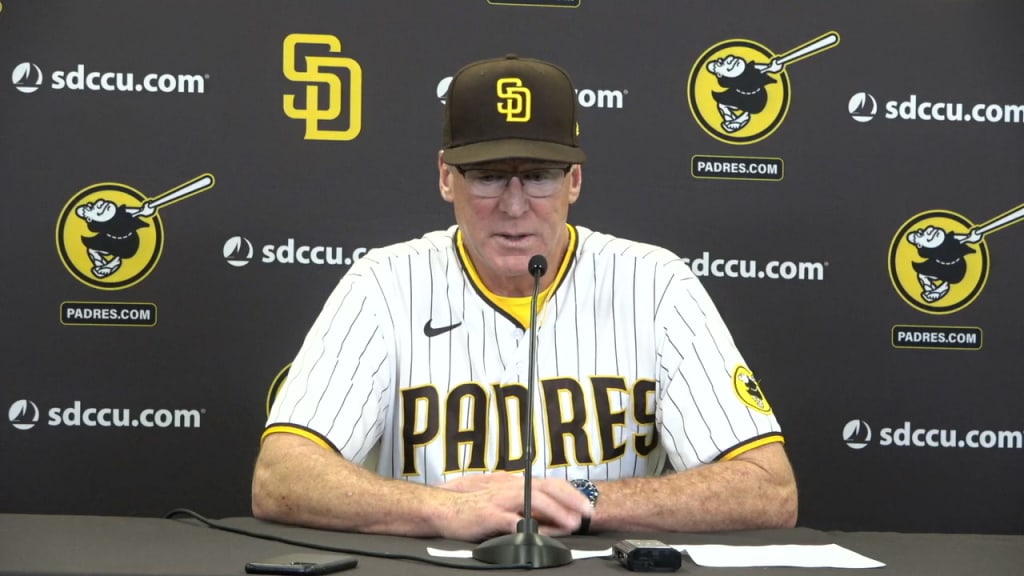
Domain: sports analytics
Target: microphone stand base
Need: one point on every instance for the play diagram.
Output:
(535, 550)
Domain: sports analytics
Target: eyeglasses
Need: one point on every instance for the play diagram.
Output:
(536, 182)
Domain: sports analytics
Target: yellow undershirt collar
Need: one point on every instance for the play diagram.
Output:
(518, 307)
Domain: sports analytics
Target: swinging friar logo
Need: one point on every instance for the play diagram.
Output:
(739, 90)
(110, 236)
(939, 264)
(939, 260)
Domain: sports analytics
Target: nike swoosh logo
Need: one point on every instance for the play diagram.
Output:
(431, 331)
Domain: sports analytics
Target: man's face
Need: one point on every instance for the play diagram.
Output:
(502, 233)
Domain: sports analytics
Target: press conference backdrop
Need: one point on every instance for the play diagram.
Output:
(243, 154)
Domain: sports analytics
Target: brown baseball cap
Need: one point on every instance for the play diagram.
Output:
(511, 107)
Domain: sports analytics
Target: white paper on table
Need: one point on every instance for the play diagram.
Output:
(722, 556)
(576, 554)
(797, 555)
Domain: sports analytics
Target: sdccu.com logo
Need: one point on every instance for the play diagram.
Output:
(28, 77)
(238, 251)
(858, 435)
(25, 414)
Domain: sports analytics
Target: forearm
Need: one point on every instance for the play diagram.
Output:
(299, 482)
(754, 492)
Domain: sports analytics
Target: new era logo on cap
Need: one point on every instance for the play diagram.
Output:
(511, 107)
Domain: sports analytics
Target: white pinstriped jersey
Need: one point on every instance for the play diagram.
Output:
(634, 364)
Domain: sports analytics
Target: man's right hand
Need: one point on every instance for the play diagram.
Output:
(498, 499)
(297, 481)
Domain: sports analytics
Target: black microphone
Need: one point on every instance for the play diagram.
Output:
(538, 266)
(527, 546)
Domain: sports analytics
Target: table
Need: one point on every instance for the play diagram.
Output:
(62, 544)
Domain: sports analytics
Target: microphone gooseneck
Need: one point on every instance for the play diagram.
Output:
(538, 266)
(527, 546)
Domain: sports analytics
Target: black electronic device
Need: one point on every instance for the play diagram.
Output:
(302, 563)
(647, 555)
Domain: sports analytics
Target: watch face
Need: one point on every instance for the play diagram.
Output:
(587, 488)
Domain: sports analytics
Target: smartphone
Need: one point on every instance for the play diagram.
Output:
(302, 563)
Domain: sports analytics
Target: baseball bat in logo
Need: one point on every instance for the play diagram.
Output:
(110, 236)
(939, 260)
(739, 90)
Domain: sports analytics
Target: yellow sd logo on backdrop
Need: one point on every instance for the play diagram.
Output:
(109, 235)
(739, 90)
(317, 82)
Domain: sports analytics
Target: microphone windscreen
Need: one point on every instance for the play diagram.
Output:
(538, 265)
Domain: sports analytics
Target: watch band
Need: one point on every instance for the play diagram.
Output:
(588, 489)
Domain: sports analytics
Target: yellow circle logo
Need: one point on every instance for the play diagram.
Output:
(738, 90)
(107, 238)
(109, 235)
(734, 94)
(938, 262)
(749, 391)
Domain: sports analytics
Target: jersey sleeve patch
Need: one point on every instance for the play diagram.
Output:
(748, 390)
